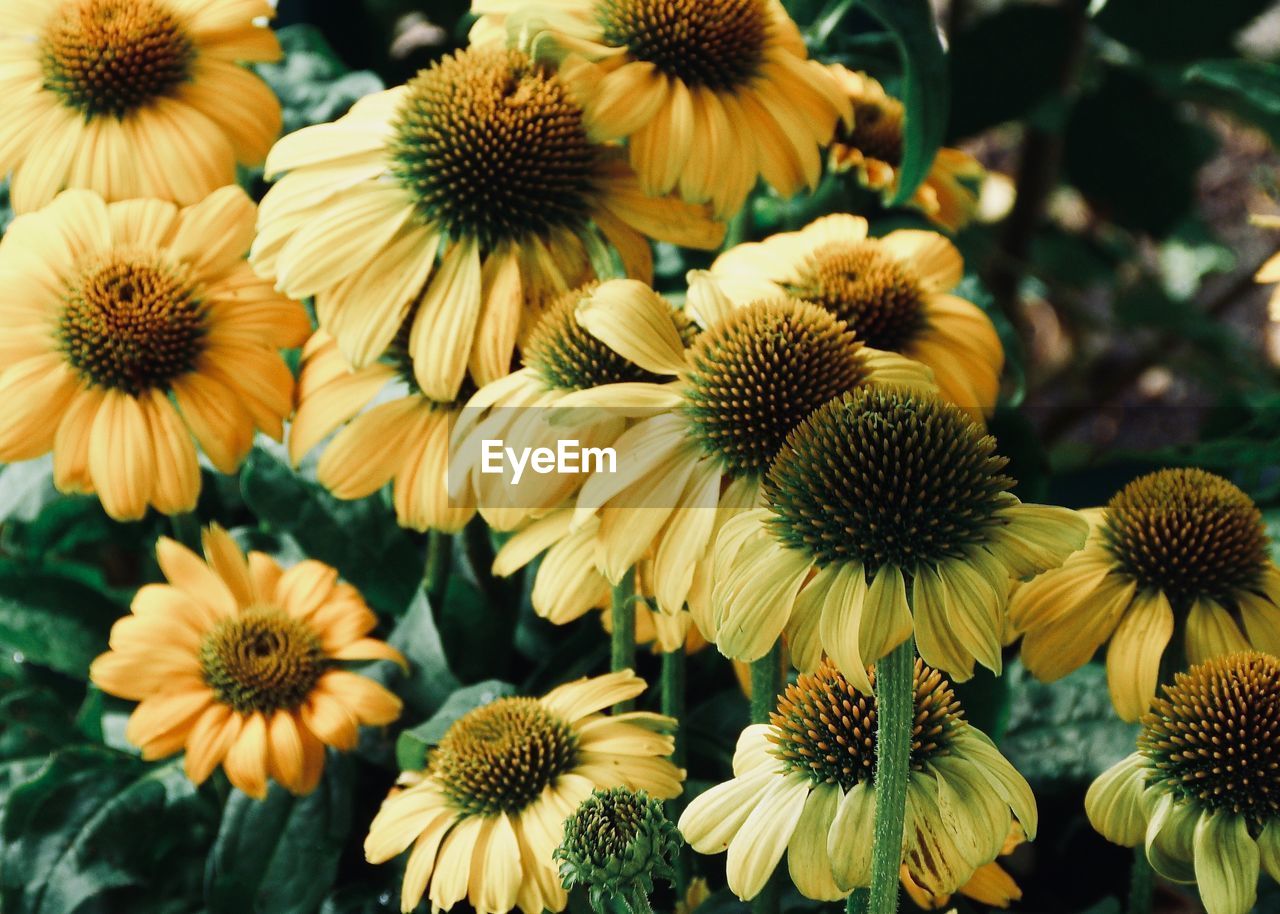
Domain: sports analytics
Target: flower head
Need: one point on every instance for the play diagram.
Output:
(239, 661)
(803, 786)
(133, 98)
(615, 844)
(128, 330)
(894, 293)
(710, 95)
(872, 145)
(882, 492)
(1179, 546)
(484, 818)
(466, 200)
(1199, 793)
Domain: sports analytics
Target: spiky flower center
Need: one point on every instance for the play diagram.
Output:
(717, 44)
(1187, 533)
(1214, 737)
(490, 146)
(500, 757)
(112, 57)
(826, 728)
(132, 322)
(755, 376)
(566, 357)
(860, 283)
(262, 660)
(877, 129)
(884, 476)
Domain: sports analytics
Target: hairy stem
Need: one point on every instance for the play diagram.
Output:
(895, 713)
(435, 578)
(623, 652)
(766, 683)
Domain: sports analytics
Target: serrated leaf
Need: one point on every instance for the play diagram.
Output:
(1065, 730)
(280, 855)
(53, 620)
(359, 538)
(412, 746)
(87, 822)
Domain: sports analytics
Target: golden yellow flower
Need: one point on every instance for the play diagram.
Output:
(129, 328)
(239, 662)
(886, 512)
(482, 159)
(873, 147)
(710, 95)
(802, 786)
(132, 98)
(487, 814)
(698, 454)
(1199, 794)
(894, 292)
(387, 431)
(1176, 549)
(1269, 272)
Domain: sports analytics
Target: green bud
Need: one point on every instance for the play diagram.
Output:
(616, 844)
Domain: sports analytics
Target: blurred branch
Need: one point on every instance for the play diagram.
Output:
(1109, 377)
(1039, 163)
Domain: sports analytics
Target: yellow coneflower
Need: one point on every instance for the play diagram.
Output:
(487, 814)
(710, 95)
(403, 439)
(127, 330)
(1199, 794)
(735, 393)
(568, 585)
(990, 883)
(873, 147)
(1269, 272)
(803, 786)
(484, 160)
(894, 292)
(239, 661)
(133, 98)
(1174, 551)
(885, 512)
(560, 357)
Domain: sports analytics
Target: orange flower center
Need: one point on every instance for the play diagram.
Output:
(112, 57)
(132, 322)
(719, 44)
(873, 292)
(262, 660)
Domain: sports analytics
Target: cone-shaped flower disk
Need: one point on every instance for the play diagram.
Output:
(127, 330)
(710, 95)
(1200, 794)
(1175, 551)
(882, 493)
(240, 662)
(706, 437)
(894, 292)
(873, 148)
(402, 439)
(803, 786)
(484, 160)
(133, 98)
(487, 815)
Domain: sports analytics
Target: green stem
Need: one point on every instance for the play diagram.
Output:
(674, 679)
(1141, 882)
(766, 683)
(623, 643)
(895, 713)
(435, 579)
(857, 901)
(186, 530)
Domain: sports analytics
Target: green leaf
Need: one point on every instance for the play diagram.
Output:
(313, 85)
(429, 681)
(280, 855)
(925, 94)
(411, 748)
(359, 538)
(53, 620)
(1249, 89)
(25, 488)
(1065, 730)
(92, 820)
(1179, 30)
